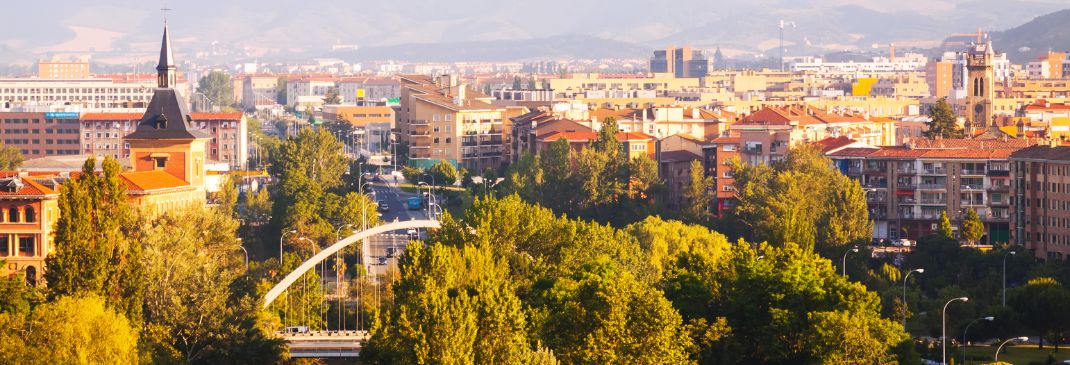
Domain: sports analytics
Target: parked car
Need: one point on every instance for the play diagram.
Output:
(391, 252)
(383, 206)
(903, 242)
(382, 260)
(295, 329)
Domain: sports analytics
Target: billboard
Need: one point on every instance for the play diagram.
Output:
(61, 115)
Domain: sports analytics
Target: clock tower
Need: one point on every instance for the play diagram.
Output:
(980, 86)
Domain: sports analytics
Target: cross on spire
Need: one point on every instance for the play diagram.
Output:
(165, 9)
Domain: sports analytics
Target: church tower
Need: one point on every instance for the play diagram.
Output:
(165, 138)
(980, 86)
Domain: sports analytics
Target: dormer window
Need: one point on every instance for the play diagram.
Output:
(159, 160)
(161, 122)
(12, 185)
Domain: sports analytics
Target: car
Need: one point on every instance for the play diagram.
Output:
(377, 178)
(383, 206)
(414, 203)
(391, 252)
(295, 329)
(903, 242)
(382, 260)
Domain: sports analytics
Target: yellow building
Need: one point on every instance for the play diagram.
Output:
(62, 70)
(28, 212)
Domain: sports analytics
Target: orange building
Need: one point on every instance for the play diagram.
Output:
(28, 211)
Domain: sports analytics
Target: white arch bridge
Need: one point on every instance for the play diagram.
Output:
(321, 344)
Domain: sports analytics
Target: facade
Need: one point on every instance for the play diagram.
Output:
(766, 135)
(717, 156)
(308, 90)
(664, 121)
(674, 157)
(29, 211)
(980, 86)
(681, 62)
(360, 90)
(373, 123)
(103, 93)
(443, 120)
(105, 134)
(62, 70)
(1041, 193)
(908, 187)
(259, 92)
(41, 134)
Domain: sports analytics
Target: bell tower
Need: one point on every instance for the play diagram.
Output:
(980, 86)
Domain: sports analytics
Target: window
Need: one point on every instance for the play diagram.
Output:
(5, 250)
(13, 215)
(31, 215)
(161, 162)
(26, 246)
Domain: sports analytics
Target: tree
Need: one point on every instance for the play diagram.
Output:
(10, 158)
(69, 330)
(972, 227)
(191, 261)
(801, 199)
(217, 87)
(332, 97)
(942, 122)
(280, 90)
(1042, 304)
(841, 337)
(93, 253)
(15, 296)
(697, 194)
(227, 196)
(444, 172)
(946, 230)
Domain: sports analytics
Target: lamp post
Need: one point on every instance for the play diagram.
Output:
(280, 244)
(338, 277)
(1005, 276)
(943, 335)
(246, 252)
(919, 271)
(304, 289)
(967, 330)
(1023, 339)
(855, 249)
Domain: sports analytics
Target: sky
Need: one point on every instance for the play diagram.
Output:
(110, 28)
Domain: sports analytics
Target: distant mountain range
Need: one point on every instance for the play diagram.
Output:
(1027, 41)
(213, 32)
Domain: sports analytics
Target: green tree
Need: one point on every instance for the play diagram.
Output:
(227, 196)
(972, 227)
(603, 315)
(697, 194)
(1042, 304)
(10, 158)
(192, 259)
(946, 230)
(93, 253)
(15, 296)
(444, 172)
(942, 122)
(801, 199)
(217, 87)
(280, 90)
(332, 97)
(841, 337)
(69, 330)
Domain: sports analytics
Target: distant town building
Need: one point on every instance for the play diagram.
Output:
(681, 62)
(62, 70)
(1041, 191)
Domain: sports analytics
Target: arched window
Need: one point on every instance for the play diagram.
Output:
(31, 215)
(13, 215)
(31, 275)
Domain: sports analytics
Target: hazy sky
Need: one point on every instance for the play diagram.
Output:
(59, 26)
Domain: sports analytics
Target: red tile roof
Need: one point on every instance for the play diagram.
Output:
(112, 116)
(147, 181)
(29, 189)
(832, 143)
(235, 116)
(909, 153)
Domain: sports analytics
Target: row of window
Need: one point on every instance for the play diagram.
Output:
(25, 215)
(26, 246)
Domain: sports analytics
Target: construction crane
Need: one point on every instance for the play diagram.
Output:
(891, 46)
(979, 36)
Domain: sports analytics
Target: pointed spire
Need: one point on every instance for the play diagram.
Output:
(166, 69)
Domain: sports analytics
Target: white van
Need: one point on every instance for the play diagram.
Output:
(295, 330)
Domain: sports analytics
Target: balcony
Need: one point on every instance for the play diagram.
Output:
(1000, 203)
(932, 201)
(875, 169)
(906, 185)
(756, 149)
(971, 187)
(907, 201)
(418, 122)
(878, 215)
(973, 172)
(906, 170)
(933, 171)
(876, 199)
(931, 186)
(491, 154)
(999, 188)
(970, 203)
(876, 185)
(854, 170)
(998, 172)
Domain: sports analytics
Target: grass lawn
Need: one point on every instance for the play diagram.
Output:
(1014, 355)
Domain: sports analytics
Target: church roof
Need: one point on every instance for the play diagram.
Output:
(167, 116)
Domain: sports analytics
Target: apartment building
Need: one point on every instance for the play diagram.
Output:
(1041, 191)
(442, 119)
(357, 90)
(373, 124)
(104, 134)
(259, 92)
(103, 92)
(62, 70)
(766, 135)
(308, 90)
(665, 121)
(909, 186)
(41, 134)
(717, 155)
(681, 62)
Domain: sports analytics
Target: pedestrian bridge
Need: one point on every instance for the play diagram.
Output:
(324, 344)
(281, 287)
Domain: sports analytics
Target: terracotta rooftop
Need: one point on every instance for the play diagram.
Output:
(832, 143)
(25, 188)
(909, 153)
(148, 181)
(678, 156)
(1060, 153)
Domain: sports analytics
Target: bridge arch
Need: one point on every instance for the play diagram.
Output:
(279, 288)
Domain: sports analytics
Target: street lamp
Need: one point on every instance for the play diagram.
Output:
(243, 250)
(338, 276)
(967, 330)
(943, 335)
(845, 259)
(1023, 339)
(919, 271)
(280, 244)
(1005, 276)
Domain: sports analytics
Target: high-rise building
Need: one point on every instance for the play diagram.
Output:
(682, 62)
(62, 70)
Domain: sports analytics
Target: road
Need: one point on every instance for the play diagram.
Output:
(388, 193)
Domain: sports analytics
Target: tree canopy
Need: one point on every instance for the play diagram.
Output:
(942, 123)
(217, 87)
